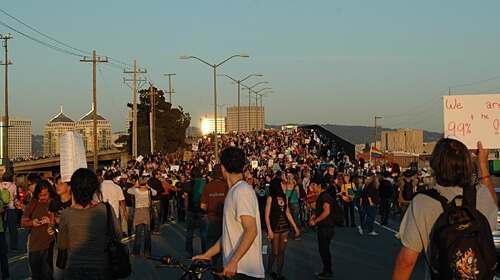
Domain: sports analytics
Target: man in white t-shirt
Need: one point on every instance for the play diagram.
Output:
(113, 194)
(241, 241)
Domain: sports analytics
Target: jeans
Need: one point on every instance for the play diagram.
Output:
(294, 210)
(137, 240)
(325, 235)
(360, 211)
(87, 273)
(385, 210)
(4, 261)
(191, 223)
(404, 207)
(370, 217)
(349, 211)
(38, 265)
(12, 225)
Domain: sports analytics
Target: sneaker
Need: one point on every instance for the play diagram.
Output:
(373, 233)
(360, 230)
(156, 232)
(324, 275)
(297, 238)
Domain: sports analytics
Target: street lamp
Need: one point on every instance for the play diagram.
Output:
(257, 111)
(262, 108)
(249, 105)
(239, 82)
(6, 63)
(214, 66)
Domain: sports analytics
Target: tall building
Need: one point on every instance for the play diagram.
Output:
(19, 138)
(403, 140)
(52, 133)
(207, 123)
(85, 126)
(251, 118)
(129, 119)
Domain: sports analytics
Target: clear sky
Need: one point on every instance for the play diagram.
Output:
(338, 62)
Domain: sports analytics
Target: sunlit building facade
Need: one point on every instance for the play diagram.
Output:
(251, 118)
(207, 124)
(52, 133)
(85, 126)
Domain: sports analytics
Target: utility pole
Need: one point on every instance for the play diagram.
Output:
(170, 90)
(134, 108)
(6, 63)
(152, 116)
(94, 61)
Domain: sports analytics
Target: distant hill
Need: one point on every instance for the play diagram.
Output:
(357, 134)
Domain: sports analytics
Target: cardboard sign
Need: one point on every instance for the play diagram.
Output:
(72, 154)
(472, 118)
(255, 164)
(174, 168)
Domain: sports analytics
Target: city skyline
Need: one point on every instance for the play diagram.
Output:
(326, 61)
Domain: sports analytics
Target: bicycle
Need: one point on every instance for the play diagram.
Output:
(195, 270)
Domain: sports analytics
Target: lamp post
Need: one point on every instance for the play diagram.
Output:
(249, 105)
(256, 109)
(6, 63)
(214, 66)
(239, 82)
(262, 108)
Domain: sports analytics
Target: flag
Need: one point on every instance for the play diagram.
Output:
(376, 153)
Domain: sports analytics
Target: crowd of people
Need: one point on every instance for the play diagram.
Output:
(262, 186)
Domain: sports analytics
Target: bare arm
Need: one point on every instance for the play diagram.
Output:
(405, 262)
(483, 171)
(266, 217)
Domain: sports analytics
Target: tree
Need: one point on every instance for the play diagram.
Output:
(170, 123)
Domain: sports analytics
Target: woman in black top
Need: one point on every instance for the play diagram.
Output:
(278, 222)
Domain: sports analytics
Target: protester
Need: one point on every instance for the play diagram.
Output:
(12, 220)
(58, 204)
(369, 201)
(385, 193)
(278, 222)
(113, 194)
(142, 217)
(293, 194)
(155, 183)
(402, 202)
(453, 171)
(212, 201)
(347, 192)
(83, 230)
(323, 220)
(241, 240)
(36, 218)
(196, 215)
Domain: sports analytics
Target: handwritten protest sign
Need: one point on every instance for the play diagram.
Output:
(72, 154)
(472, 118)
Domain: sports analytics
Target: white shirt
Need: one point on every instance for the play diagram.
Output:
(111, 193)
(241, 200)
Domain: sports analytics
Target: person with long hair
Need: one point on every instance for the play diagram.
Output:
(278, 223)
(369, 201)
(142, 193)
(453, 170)
(83, 230)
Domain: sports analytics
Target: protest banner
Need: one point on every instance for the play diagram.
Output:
(472, 118)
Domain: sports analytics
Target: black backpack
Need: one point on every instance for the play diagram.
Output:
(462, 244)
(408, 189)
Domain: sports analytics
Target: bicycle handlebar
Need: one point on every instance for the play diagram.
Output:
(196, 267)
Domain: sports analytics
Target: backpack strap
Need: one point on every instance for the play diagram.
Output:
(469, 196)
(437, 196)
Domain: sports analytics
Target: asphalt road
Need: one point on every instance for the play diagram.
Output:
(354, 256)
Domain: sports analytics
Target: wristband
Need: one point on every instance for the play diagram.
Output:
(487, 177)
